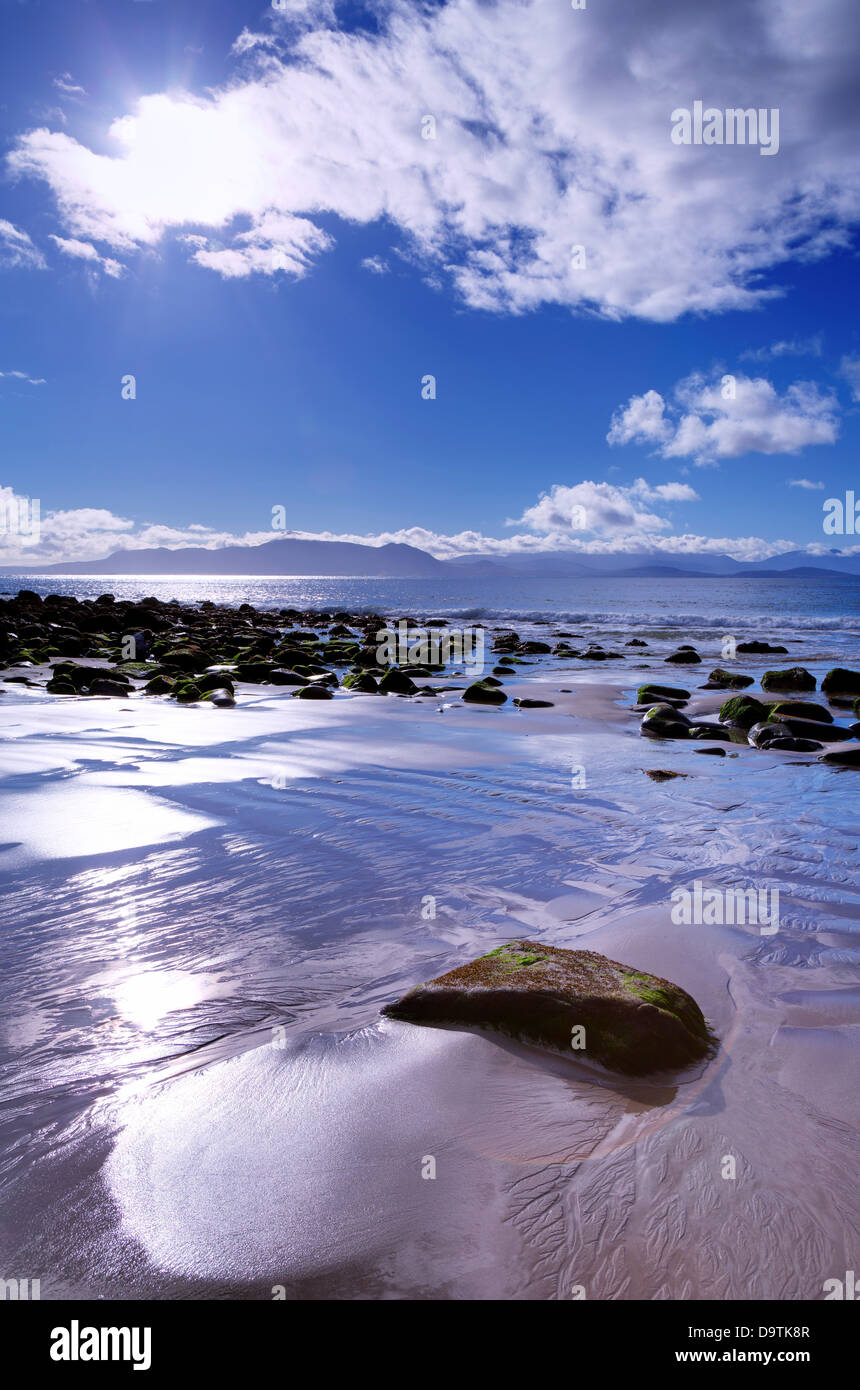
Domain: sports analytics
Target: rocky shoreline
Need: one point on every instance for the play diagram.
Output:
(199, 653)
(792, 725)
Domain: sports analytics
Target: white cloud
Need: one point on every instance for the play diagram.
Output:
(805, 483)
(725, 418)
(17, 250)
(85, 251)
(795, 347)
(377, 265)
(308, 13)
(247, 42)
(849, 368)
(552, 127)
(66, 84)
(22, 376)
(616, 524)
(275, 243)
(603, 508)
(643, 421)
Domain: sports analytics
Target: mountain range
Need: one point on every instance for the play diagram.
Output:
(287, 555)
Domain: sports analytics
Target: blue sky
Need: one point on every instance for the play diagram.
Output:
(270, 246)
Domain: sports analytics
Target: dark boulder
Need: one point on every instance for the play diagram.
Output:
(664, 721)
(720, 679)
(841, 681)
(795, 678)
(362, 682)
(809, 728)
(214, 680)
(397, 682)
(742, 711)
(479, 693)
(647, 693)
(159, 685)
(578, 1003)
(702, 728)
(108, 687)
(803, 709)
(185, 659)
(846, 757)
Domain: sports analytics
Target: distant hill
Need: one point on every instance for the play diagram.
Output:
(282, 556)
(286, 556)
(653, 564)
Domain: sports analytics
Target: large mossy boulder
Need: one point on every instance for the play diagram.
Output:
(742, 711)
(720, 679)
(214, 680)
(254, 672)
(397, 682)
(108, 687)
(762, 647)
(360, 681)
(313, 692)
(578, 1003)
(802, 709)
(648, 693)
(841, 681)
(188, 659)
(665, 721)
(480, 693)
(159, 685)
(705, 728)
(795, 678)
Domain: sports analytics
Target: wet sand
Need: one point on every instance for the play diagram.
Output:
(203, 1102)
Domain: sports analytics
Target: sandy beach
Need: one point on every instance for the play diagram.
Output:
(205, 909)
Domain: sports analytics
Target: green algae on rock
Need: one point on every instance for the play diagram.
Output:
(480, 693)
(796, 678)
(579, 1003)
(742, 711)
(841, 681)
(649, 692)
(720, 679)
(665, 721)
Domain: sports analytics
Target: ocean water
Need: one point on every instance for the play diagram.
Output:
(611, 607)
